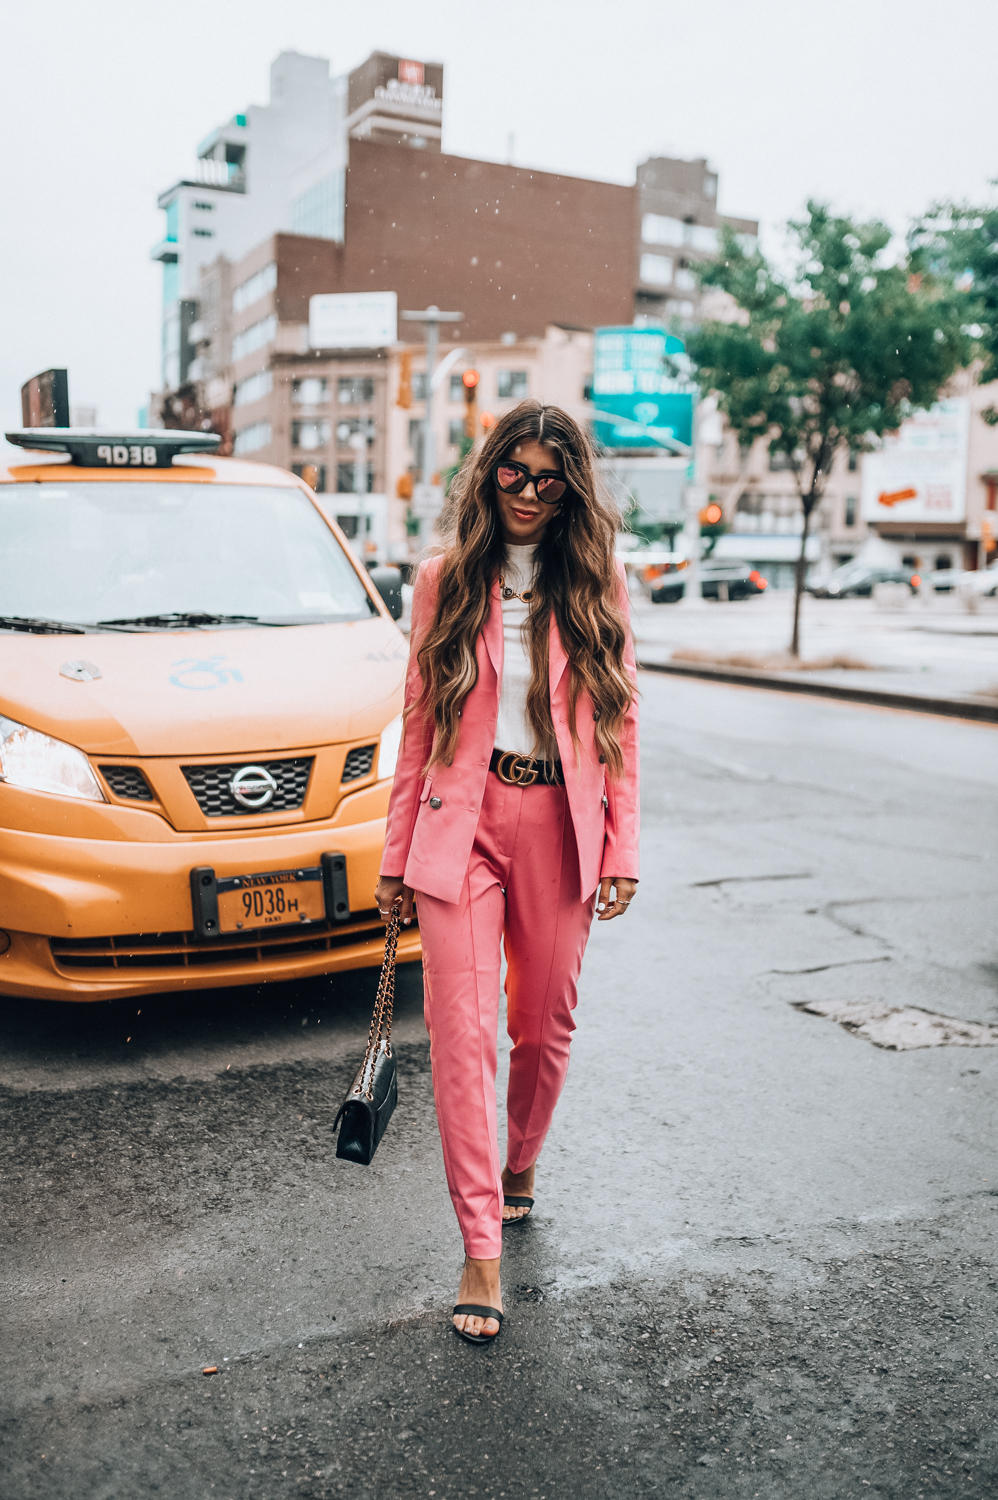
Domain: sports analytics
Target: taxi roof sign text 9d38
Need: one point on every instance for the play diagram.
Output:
(153, 448)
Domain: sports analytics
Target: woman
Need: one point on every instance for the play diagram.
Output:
(515, 797)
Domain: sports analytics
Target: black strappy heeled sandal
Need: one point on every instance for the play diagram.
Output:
(509, 1201)
(478, 1311)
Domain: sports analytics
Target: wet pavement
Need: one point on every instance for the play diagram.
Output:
(763, 1262)
(930, 646)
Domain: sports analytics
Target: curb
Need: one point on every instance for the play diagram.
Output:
(951, 708)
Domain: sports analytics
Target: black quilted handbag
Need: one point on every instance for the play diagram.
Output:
(373, 1095)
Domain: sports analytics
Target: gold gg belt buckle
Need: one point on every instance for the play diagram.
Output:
(516, 770)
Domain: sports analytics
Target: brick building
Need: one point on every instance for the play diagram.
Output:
(533, 260)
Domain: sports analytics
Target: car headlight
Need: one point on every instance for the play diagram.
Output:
(388, 753)
(39, 763)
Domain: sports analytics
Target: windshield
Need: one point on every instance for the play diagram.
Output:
(849, 570)
(84, 553)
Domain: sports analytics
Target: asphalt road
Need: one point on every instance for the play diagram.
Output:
(763, 1262)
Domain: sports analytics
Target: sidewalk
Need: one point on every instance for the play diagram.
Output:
(933, 652)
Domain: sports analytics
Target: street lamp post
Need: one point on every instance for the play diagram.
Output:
(431, 317)
(694, 496)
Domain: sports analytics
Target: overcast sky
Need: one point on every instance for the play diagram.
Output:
(879, 106)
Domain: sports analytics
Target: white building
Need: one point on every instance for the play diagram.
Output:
(281, 165)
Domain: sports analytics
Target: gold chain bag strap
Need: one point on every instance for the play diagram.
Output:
(373, 1095)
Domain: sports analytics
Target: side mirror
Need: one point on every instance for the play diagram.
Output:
(388, 582)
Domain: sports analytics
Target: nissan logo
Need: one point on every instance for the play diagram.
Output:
(253, 786)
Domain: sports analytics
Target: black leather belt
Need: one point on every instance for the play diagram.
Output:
(521, 770)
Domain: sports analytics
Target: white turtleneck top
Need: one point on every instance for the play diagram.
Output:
(513, 731)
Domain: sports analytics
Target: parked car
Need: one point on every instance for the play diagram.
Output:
(982, 584)
(858, 580)
(718, 580)
(942, 580)
(200, 714)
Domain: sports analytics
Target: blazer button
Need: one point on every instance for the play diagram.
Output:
(435, 803)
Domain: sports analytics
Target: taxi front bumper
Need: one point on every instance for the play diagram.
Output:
(92, 919)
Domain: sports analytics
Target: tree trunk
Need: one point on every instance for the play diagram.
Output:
(799, 575)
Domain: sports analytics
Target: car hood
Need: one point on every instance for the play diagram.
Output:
(208, 692)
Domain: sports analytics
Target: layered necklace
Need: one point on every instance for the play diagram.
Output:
(509, 593)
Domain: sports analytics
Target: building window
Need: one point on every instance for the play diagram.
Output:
(456, 432)
(943, 561)
(314, 476)
(310, 435)
(656, 229)
(850, 510)
(254, 388)
(419, 385)
(254, 337)
(171, 282)
(320, 210)
(345, 479)
(456, 388)
(252, 438)
(511, 384)
(347, 426)
(853, 462)
(312, 391)
(355, 390)
(258, 285)
(779, 462)
(702, 237)
(206, 208)
(203, 234)
(656, 270)
(685, 280)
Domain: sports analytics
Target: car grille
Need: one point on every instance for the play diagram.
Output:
(210, 785)
(182, 950)
(127, 782)
(358, 763)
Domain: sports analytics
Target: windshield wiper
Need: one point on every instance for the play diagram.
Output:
(39, 626)
(190, 618)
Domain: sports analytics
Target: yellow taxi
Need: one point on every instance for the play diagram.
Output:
(200, 698)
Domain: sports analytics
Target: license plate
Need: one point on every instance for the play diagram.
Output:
(271, 900)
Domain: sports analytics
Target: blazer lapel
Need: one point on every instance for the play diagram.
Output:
(492, 630)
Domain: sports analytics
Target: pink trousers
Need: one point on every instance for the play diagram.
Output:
(521, 889)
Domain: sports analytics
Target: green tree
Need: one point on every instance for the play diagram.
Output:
(830, 355)
(959, 242)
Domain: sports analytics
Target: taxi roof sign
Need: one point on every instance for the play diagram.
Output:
(153, 448)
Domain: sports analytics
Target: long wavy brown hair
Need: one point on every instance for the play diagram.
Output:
(576, 579)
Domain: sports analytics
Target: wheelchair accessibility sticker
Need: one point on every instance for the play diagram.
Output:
(201, 675)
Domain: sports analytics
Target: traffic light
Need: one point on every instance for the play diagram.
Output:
(711, 514)
(470, 380)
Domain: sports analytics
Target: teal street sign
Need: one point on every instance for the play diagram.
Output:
(641, 395)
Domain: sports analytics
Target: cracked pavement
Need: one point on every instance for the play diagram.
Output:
(763, 1260)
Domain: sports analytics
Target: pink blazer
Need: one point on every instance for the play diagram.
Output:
(430, 847)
